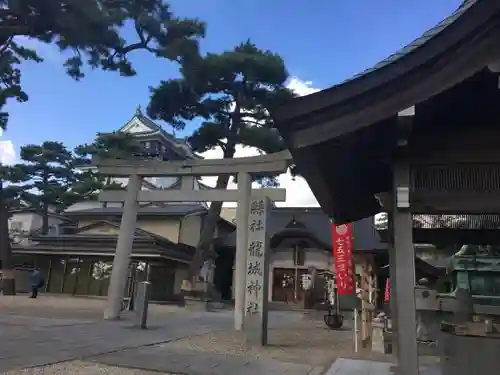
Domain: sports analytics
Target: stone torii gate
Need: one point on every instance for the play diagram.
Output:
(136, 170)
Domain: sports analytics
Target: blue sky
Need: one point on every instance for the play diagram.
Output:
(322, 42)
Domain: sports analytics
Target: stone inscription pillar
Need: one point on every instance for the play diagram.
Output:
(257, 273)
(244, 191)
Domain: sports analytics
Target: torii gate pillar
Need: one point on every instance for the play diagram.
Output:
(263, 165)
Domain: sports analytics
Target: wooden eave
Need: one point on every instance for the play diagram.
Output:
(447, 236)
(149, 245)
(342, 139)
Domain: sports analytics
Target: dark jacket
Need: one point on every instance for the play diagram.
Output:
(36, 278)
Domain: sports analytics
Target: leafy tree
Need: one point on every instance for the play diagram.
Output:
(92, 33)
(49, 169)
(231, 92)
(11, 193)
(116, 145)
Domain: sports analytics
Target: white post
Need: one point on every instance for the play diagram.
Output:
(244, 191)
(355, 330)
(257, 273)
(119, 274)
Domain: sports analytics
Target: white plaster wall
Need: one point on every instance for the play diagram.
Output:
(30, 221)
(190, 230)
(38, 222)
(180, 275)
(22, 221)
(90, 204)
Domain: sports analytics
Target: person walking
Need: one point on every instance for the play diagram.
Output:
(36, 282)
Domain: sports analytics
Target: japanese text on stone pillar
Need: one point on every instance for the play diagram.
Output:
(255, 258)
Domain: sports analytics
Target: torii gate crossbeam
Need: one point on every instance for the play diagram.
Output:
(137, 169)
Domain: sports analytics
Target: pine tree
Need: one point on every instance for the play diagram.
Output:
(116, 145)
(49, 169)
(92, 31)
(231, 92)
(11, 194)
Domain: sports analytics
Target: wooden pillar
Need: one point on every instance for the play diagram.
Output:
(403, 273)
(49, 276)
(63, 281)
(367, 303)
(392, 285)
(89, 276)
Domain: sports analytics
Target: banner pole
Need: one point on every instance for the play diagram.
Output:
(355, 330)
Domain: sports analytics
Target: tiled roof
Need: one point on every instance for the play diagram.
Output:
(315, 221)
(429, 34)
(167, 210)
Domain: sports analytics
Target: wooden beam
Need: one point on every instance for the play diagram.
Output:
(455, 203)
(263, 165)
(209, 195)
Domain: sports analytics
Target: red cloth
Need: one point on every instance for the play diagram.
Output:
(387, 294)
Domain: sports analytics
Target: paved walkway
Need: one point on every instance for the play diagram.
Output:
(29, 341)
(185, 361)
(52, 330)
(343, 366)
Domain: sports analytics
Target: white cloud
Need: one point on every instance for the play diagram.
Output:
(301, 88)
(297, 189)
(7, 151)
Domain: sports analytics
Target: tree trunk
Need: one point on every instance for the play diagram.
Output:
(7, 284)
(211, 220)
(207, 232)
(45, 218)
(107, 183)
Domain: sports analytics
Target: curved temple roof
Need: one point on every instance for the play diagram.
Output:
(433, 42)
(344, 114)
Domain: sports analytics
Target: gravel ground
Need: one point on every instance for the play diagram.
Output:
(81, 368)
(307, 342)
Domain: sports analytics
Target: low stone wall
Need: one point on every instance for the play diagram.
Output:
(465, 355)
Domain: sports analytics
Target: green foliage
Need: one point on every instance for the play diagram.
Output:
(116, 145)
(88, 184)
(90, 33)
(232, 93)
(12, 190)
(49, 171)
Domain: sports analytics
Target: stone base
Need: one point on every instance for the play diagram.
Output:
(197, 304)
(8, 283)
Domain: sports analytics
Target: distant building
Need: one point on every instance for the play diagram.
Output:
(76, 255)
(300, 238)
(158, 143)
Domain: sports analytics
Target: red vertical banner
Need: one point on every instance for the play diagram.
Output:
(342, 259)
(387, 294)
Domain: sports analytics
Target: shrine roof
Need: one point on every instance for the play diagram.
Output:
(145, 244)
(424, 38)
(344, 138)
(146, 210)
(313, 224)
(431, 43)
